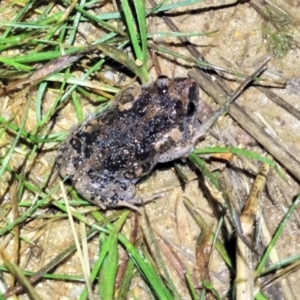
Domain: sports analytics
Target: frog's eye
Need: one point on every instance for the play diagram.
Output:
(191, 108)
(162, 83)
(76, 144)
(162, 77)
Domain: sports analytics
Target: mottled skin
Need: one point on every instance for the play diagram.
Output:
(107, 154)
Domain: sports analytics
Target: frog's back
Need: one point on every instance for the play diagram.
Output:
(127, 139)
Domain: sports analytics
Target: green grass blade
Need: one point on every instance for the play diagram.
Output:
(134, 32)
(8, 155)
(108, 284)
(132, 29)
(169, 6)
(150, 274)
(141, 17)
(276, 236)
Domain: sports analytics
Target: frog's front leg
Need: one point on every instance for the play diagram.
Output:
(110, 193)
(103, 190)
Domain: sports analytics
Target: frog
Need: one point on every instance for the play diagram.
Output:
(107, 154)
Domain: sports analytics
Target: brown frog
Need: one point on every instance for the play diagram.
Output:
(107, 154)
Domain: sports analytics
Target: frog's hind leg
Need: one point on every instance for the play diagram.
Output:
(181, 149)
